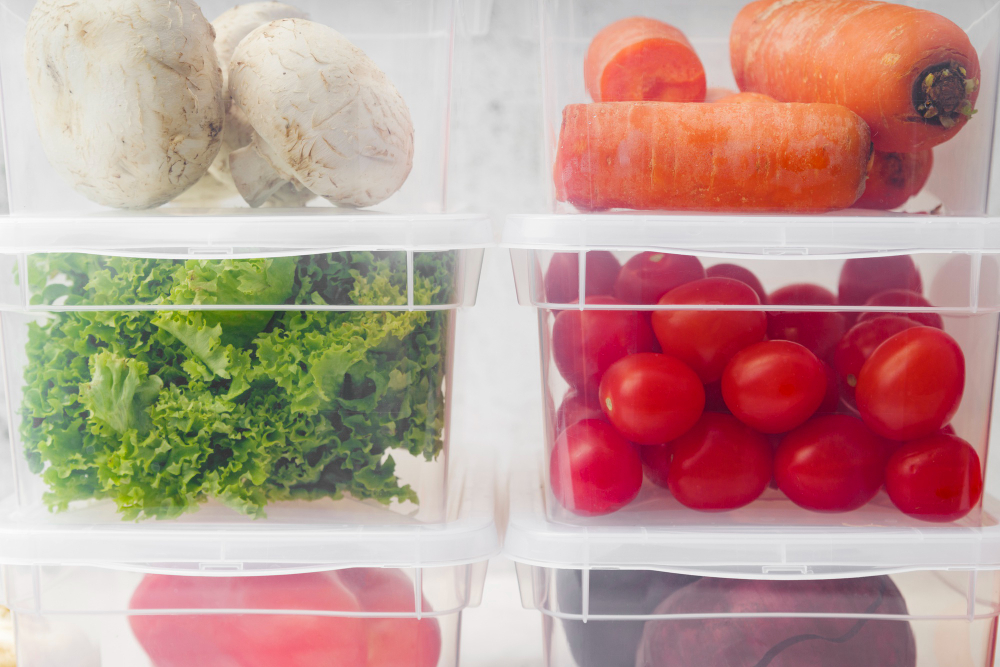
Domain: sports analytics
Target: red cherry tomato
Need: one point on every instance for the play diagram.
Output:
(585, 343)
(656, 462)
(858, 344)
(649, 275)
(774, 386)
(719, 465)
(706, 339)
(248, 640)
(900, 298)
(594, 470)
(937, 478)
(651, 398)
(863, 277)
(832, 463)
(912, 384)
(831, 400)
(576, 407)
(737, 272)
(562, 278)
(394, 642)
(818, 331)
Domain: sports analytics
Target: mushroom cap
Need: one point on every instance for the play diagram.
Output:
(127, 96)
(234, 24)
(230, 28)
(325, 110)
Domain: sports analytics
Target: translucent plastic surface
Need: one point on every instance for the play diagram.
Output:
(152, 382)
(638, 541)
(729, 148)
(609, 617)
(411, 42)
(790, 411)
(611, 590)
(94, 616)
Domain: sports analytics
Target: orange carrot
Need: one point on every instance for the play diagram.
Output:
(716, 94)
(641, 58)
(746, 98)
(911, 74)
(894, 178)
(720, 157)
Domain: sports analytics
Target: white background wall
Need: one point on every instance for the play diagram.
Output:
(497, 169)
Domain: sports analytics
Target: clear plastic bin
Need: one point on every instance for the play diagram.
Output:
(171, 595)
(230, 371)
(820, 353)
(88, 616)
(411, 42)
(959, 179)
(617, 596)
(637, 617)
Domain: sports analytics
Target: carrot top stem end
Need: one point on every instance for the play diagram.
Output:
(942, 94)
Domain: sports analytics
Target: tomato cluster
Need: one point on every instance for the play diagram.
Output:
(715, 403)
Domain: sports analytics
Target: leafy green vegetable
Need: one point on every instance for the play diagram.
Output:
(160, 410)
(120, 391)
(236, 282)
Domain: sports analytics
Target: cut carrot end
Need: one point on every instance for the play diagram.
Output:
(642, 59)
(656, 70)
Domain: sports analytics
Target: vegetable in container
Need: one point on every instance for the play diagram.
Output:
(159, 411)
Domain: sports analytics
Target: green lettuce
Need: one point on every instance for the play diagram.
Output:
(160, 410)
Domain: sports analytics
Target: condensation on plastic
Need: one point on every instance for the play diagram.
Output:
(959, 262)
(960, 179)
(412, 42)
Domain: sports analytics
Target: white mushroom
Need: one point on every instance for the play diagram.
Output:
(323, 113)
(230, 29)
(127, 96)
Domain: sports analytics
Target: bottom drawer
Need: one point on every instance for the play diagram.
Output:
(360, 617)
(645, 618)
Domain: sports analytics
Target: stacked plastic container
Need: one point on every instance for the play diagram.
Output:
(229, 305)
(767, 412)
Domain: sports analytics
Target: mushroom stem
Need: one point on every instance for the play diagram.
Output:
(255, 175)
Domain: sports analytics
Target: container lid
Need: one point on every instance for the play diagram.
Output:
(468, 535)
(795, 236)
(256, 233)
(778, 552)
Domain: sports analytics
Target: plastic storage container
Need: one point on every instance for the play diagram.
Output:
(782, 459)
(373, 594)
(217, 370)
(411, 42)
(615, 596)
(602, 152)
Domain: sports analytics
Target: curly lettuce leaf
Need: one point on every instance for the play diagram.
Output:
(120, 392)
(310, 406)
(236, 282)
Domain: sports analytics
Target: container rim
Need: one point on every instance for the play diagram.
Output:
(257, 233)
(469, 535)
(771, 237)
(756, 552)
